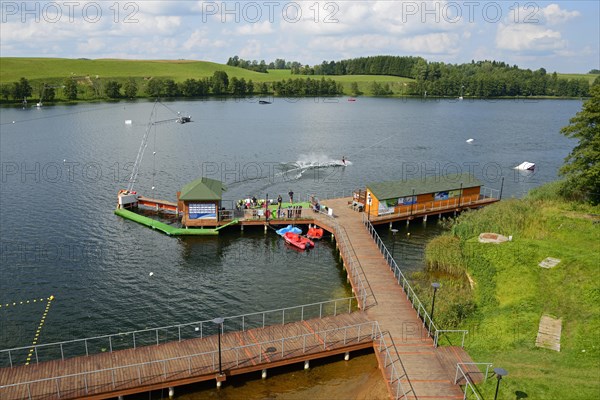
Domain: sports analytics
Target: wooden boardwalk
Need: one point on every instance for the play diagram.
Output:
(142, 369)
(409, 361)
(426, 374)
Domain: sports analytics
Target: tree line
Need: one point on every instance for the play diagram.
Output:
(262, 66)
(475, 79)
(377, 65)
(218, 84)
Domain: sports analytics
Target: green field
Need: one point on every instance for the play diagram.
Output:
(55, 70)
(510, 292)
(590, 77)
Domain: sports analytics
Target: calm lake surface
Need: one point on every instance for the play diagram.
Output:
(62, 167)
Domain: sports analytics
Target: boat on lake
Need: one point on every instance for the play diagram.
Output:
(289, 228)
(314, 233)
(264, 102)
(298, 241)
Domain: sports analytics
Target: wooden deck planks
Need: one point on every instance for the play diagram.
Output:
(162, 374)
(395, 313)
(425, 368)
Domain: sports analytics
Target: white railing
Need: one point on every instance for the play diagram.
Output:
(396, 367)
(469, 386)
(363, 292)
(165, 334)
(196, 364)
(94, 381)
(407, 288)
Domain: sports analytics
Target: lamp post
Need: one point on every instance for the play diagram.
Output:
(435, 286)
(394, 231)
(500, 372)
(219, 321)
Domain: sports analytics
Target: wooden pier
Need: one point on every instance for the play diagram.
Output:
(390, 321)
(168, 365)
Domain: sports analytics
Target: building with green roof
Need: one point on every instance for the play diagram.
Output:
(421, 194)
(200, 201)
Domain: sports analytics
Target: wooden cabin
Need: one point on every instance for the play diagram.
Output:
(421, 195)
(199, 202)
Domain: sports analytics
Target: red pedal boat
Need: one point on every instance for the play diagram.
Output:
(314, 233)
(298, 241)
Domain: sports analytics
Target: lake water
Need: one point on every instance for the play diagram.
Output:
(62, 167)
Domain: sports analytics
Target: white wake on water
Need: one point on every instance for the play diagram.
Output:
(310, 161)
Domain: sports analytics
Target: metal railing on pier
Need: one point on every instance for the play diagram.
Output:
(165, 334)
(363, 291)
(205, 363)
(469, 386)
(428, 323)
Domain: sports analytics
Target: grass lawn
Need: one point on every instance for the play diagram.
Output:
(57, 69)
(589, 77)
(511, 292)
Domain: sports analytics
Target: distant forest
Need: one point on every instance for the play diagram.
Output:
(477, 79)
(262, 66)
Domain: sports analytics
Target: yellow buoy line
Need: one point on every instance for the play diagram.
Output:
(40, 325)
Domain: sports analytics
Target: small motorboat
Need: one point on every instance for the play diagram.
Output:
(289, 228)
(314, 233)
(298, 241)
(264, 102)
(351, 99)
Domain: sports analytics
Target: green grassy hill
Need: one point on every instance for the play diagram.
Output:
(55, 70)
(589, 77)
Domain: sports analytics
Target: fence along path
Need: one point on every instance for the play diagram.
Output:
(425, 375)
(145, 368)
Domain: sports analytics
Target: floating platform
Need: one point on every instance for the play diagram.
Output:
(168, 229)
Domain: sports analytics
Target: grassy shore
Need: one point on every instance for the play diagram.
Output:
(499, 293)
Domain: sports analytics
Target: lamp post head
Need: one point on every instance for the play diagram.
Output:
(394, 231)
(219, 320)
(435, 285)
(500, 373)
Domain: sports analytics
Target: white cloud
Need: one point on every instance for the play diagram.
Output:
(260, 28)
(251, 49)
(554, 15)
(200, 40)
(533, 29)
(528, 37)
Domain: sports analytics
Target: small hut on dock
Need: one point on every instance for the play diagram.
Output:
(200, 201)
(418, 195)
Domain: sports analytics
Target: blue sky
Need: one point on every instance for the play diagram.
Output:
(560, 36)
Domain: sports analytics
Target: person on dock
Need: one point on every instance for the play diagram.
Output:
(279, 200)
(291, 194)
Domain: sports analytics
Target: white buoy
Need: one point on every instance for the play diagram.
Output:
(264, 374)
(196, 329)
(128, 122)
(14, 122)
(152, 187)
(306, 364)
(151, 273)
(470, 140)
(65, 160)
